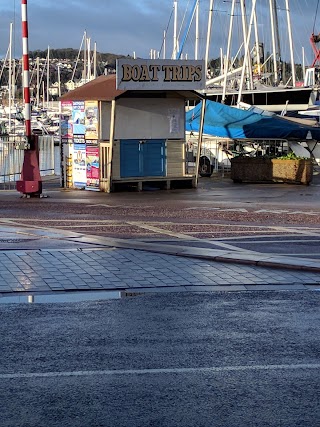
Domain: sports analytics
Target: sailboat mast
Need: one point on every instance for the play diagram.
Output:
(175, 24)
(257, 45)
(186, 32)
(293, 72)
(196, 48)
(78, 57)
(10, 77)
(276, 21)
(246, 50)
(38, 81)
(84, 74)
(272, 5)
(89, 60)
(13, 79)
(226, 64)
(221, 61)
(59, 82)
(48, 75)
(95, 60)
(303, 64)
(247, 65)
(206, 58)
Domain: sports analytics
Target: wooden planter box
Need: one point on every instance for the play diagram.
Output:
(259, 169)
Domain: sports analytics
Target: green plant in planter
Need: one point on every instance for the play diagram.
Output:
(288, 168)
(291, 156)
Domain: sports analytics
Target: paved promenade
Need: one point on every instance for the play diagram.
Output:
(56, 260)
(36, 260)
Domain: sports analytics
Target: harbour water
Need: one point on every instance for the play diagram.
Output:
(12, 155)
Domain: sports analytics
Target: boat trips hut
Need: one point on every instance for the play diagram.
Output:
(129, 128)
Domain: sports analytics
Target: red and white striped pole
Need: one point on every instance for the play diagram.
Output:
(30, 183)
(25, 53)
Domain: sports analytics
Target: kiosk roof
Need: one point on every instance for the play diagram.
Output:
(103, 88)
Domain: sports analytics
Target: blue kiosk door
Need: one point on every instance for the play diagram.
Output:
(142, 158)
(130, 163)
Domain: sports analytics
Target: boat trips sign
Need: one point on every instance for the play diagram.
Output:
(160, 74)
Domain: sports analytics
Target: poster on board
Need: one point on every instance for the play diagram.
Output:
(78, 118)
(91, 119)
(66, 120)
(79, 162)
(174, 120)
(92, 168)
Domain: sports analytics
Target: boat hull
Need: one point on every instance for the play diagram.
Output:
(276, 100)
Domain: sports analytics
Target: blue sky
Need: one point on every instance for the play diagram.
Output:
(127, 26)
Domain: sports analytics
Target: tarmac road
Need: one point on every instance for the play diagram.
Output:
(183, 360)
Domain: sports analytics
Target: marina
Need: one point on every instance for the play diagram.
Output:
(250, 75)
(12, 156)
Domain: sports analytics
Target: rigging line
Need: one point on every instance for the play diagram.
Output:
(166, 31)
(315, 16)
(14, 28)
(183, 19)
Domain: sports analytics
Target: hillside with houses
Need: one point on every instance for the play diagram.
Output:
(53, 73)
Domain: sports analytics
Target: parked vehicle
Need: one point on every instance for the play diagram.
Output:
(212, 157)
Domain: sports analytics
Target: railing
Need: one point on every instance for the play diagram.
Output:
(11, 159)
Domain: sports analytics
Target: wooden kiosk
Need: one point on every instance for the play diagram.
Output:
(140, 128)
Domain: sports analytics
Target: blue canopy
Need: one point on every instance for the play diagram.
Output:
(224, 121)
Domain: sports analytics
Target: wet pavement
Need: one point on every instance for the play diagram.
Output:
(66, 261)
(37, 260)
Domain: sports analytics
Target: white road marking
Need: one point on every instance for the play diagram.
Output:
(304, 213)
(160, 227)
(277, 211)
(16, 221)
(227, 246)
(188, 237)
(304, 232)
(102, 204)
(267, 236)
(26, 220)
(120, 206)
(108, 372)
(160, 230)
(243, 210)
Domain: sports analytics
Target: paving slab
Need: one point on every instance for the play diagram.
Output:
(155, 272)
(58, 260)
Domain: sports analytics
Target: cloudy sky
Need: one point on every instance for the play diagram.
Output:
(128, 26)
